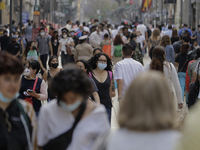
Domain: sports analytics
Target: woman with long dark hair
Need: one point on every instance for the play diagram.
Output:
(116, 51)
(55, 42)
(82, 64)
(174, 37)
(103, 76)
(31, 53)
(158, 63)
(182, 63)
(51, 73)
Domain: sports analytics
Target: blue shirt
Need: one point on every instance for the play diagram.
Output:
(168, 32)
(180, 31)
(169, 50)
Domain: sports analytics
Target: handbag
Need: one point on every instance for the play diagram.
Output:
(194, 91)
(29, 99)
(107, 49)
(62, 141)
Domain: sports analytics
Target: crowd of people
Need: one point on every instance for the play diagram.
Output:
(98, 62)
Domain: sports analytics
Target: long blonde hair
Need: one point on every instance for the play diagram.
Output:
(155, 34)
(148, 104)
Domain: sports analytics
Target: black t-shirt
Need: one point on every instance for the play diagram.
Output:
(4, 40)
(13, 48)
(174, 39)
(183, 62)
(55, 45)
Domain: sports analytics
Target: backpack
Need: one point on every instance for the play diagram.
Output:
(137, 54)
(107, 49)
(118, 51)
(184, 31)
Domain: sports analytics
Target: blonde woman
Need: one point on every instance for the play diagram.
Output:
(146, 118)
(154, 41)
(169, 49)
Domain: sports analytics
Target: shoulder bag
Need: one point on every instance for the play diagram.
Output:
(62, 141)
(194, 91)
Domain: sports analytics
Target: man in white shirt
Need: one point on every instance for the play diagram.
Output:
(126, 70)
(96, 38)
(143, 29)
(69, 25)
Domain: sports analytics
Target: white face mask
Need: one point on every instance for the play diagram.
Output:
(65, 36)
(42, 33)
(17, 36)
(27, 72)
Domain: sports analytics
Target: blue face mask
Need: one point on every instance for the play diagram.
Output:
(8, 100)
(71, 107)
(102, 66)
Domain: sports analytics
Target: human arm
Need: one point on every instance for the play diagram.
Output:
(172, 55)
(146, 34)
(179, 33)
(41, 65)
(17, 54)
(43, 92)
(44, 77)
(96, 97)
(22, 45)
(149, 45)
(119, 88)
(59, 47)
(176, 83)
(24, 61)
(145, 45)
(51, 49)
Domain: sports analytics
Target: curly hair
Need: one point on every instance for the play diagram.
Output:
(71, 79)
(86, 65)
(158, 59)
(94, 60)
(165, 41)
(118, 40)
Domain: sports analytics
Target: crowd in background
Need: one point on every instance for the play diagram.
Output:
(96, 59)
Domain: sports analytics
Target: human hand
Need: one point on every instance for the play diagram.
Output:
(32, 93)
(180, 105)
(30, 59)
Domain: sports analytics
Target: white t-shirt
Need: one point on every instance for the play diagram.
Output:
(127, 70)
(63, 42)
(124, 139)
(142, 29)
(140, 40)
(54, 121)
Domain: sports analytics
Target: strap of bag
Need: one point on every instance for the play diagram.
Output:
(183, 65)
(34, 86)
(11, 142)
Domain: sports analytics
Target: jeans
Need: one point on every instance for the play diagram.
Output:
(109, 112)
(43, 59)
(182, 76)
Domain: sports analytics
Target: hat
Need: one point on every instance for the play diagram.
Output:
(65, 29)
(14, 37)
(83, 37)
(71, 30)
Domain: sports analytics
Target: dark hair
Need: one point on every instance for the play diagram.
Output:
(174, 33)
(106, 35)
(97, 49)
(122, 23)
(5, 31)
(96, 20)
(10, 64)
(186, 39)
(29, 24)
(83, 32)
(170, 26)
(71, 79)
(87, 66)
(41, 29)
(184, 48)
(198, 53)
(118, 40)
(185, 25)
(84, 24)
(51, 58)
(198, 25)
(94, 60)
(132, 36)
(68, 21)
(158, 59)
(51, 28)
(124, 28)
(28, 45)
(34, 64)
(127, 49)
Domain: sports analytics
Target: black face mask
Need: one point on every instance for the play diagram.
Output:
(34, 48)
(55, 65)
(13, 42)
